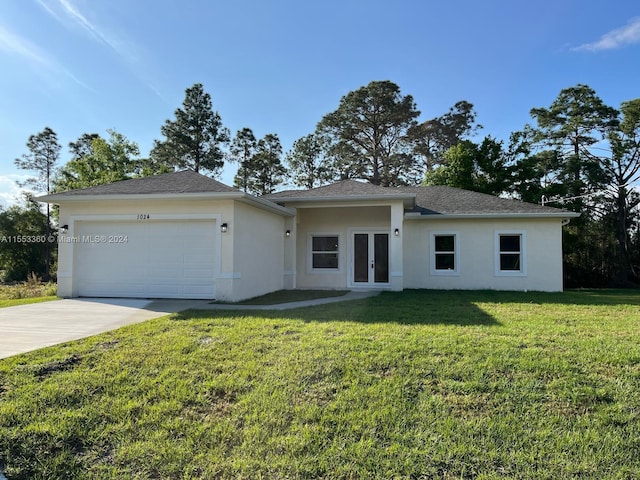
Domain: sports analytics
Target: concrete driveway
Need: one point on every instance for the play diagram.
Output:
(29, 327)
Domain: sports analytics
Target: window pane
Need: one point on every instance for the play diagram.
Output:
(445, 261)
(510, 261)
(324, 244)
(361, 257)
(381, 257)
(445, 243)
(509, 243)
(325, 260)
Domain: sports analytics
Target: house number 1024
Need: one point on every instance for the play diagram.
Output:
(144, 216)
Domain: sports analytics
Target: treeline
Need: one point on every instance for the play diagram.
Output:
(577, 153)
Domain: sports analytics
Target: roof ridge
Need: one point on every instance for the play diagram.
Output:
(181, 181)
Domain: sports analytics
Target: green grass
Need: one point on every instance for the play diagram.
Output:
(23, 301)
(287, 296)
(419, 384)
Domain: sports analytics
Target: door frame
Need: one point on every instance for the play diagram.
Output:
(351, 233)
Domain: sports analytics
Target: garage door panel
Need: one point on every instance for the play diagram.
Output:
(164, 259)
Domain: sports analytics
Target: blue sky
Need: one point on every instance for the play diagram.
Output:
(83, 66)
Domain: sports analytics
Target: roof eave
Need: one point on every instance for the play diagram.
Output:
(267, 205)
(451, 216)
(407, 199)
(244, 197)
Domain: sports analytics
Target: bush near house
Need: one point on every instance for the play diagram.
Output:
(418, 384)
(30, 291)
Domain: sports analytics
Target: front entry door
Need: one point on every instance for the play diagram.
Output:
(370, 258)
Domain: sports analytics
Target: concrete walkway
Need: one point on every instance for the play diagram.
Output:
(286, 306)
(29, 327)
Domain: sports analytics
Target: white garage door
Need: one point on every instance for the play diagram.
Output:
(146, 259)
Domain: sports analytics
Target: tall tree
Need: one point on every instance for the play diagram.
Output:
(531, 181)
(96, 161)
(267, 171)
(307, 162)
(622, 169)
(570, 144)
(241, 151)
(434, 137)
(193, 140)
(368, 133)
(83, 146)
(477, 167)
(573, 125)
(44, 152)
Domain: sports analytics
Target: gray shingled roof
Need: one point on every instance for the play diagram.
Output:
(344, 188)
(186, 181)
(432, 200)
(441, 200)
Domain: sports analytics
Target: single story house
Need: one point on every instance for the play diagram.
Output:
(185, 235)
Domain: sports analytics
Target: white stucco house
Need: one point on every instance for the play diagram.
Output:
(185, 235)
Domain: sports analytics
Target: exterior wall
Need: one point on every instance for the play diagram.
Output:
(337, 221)
(477, 258)
(258, 252)
(219, 211)
(290, 277)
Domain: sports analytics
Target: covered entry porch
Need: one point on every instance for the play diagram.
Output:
(345, 246)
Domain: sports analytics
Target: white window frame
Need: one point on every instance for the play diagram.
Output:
(456, 253)
(523, 253)
(325, 271)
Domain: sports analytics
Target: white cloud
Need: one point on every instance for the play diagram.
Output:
(125, 49)
(10, 192)
(617, 38)
(14, 44)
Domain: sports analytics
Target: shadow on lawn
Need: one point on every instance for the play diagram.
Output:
(403, 308)
(429, 307)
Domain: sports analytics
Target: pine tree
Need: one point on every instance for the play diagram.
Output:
(194, 138)
(44, 152)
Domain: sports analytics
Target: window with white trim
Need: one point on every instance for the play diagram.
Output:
(444, 253)
(510, 253)
(325, 252)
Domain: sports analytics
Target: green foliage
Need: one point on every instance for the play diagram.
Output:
(44, 152)
(264, 170)
(368, 134)
(418, 384)
(23, 241)
(586, 153)
(434, 137)
(97, 161)
(242, 150)
(308, 165)
(193, 140)
(574, 123)
(477, 167)
(28, 290)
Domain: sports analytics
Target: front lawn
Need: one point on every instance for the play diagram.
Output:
(419, 384)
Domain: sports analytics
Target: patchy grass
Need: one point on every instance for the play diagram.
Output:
(24, 301)
(27, 292)
(417, 384)
(287, 296)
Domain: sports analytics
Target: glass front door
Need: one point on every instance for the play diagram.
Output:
(370, 258)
